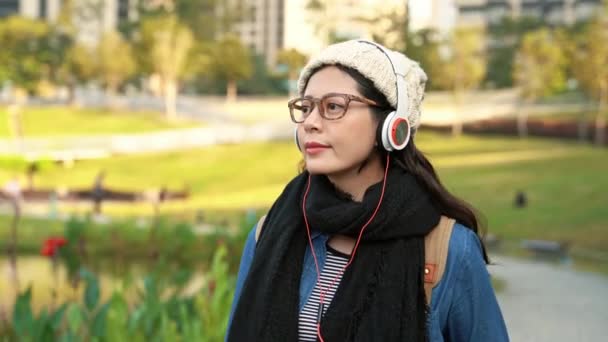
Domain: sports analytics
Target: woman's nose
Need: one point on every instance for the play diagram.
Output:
(314, 119)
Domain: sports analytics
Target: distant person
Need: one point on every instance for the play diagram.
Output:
(13, 190)
(98, 193)
(341, 254)
(31, 171)
(521, 200)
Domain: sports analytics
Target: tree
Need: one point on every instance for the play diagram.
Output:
(114, 68)
(539, 70)
(78, 66)
(231, 63)
(506, 37)
(322, 18)
(423, 46)
(391, 27)
(21, 42)
(464, 67)
(294, 61)
(168, 43)
(591, 68)
(71, 61)
(388, 25)
(208, 18)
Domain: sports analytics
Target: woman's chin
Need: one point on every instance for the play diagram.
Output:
(318, 167)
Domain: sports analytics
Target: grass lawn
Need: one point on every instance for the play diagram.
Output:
(566, 183)
(64, 120)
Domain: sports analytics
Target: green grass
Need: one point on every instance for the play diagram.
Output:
(567, 183)
(63, 120)
(566, 116)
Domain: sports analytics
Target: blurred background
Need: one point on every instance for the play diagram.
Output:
(140, 141)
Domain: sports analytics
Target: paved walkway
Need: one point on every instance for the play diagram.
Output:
(543, 302)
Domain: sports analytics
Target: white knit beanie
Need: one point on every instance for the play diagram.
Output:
(372, 63)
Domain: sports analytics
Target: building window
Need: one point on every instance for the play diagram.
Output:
(280, 23)
(252, 13)
(42, 9)
(123, 10)
(9, 7)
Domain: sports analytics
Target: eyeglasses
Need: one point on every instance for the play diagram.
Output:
(332, 106)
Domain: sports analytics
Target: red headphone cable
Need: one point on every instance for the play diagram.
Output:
(323, 292)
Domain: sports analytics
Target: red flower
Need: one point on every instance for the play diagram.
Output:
(212, 285)
(47, 250)
(50, 246)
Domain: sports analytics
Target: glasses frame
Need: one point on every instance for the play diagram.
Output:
(319, 103)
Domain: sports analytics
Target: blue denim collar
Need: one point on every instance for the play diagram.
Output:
(314, 234)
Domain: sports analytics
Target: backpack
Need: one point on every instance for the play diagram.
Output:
(436, 245)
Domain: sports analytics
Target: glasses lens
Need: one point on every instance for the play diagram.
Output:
(334, 107)
(301, 108)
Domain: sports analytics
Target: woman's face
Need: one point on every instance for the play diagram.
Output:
(349, 140)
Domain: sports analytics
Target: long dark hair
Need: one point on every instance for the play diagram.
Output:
(414, 161)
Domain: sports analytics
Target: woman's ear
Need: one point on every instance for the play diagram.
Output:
(378, 142)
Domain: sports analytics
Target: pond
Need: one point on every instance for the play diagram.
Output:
(50, 284)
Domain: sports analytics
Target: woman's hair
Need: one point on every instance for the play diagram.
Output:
(413, 160)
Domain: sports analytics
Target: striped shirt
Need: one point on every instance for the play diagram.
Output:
(334, 263)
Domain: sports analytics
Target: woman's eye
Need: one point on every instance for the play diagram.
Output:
(334, 106)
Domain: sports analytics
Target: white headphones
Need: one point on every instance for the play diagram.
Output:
(396, 130)
(396, 127)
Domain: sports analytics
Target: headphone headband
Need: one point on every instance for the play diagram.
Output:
(400, 72)
(396, 128)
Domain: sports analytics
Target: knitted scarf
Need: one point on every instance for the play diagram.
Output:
(381, 294)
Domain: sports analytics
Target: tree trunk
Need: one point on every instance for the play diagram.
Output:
(170, 93)
(522, 119)
(457, 120)
(600, 120)
(30, 181)
(457, 127)
(600, 130)
(12, 246)
(72, 94)
(15, 125)
(293, 76)
(231, 91)
(583, 128)
(111, 96)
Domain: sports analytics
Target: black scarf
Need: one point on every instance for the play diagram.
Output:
(381, 295)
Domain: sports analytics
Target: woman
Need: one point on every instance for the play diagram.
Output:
(341, 254)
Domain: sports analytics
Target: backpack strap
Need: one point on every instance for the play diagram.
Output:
(436, 244)
(258, 227)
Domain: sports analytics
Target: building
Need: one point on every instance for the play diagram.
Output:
(556, 12)
(91, 23)
(310, 31)
(437, 15)
(273, 25)
(268, 26)
(263, 27)
(38, 9)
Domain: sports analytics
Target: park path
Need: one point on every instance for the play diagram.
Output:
(544, 302)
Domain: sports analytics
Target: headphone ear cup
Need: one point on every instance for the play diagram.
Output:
(385, 133)
(399, 133)
(395, 132)
(296, 139)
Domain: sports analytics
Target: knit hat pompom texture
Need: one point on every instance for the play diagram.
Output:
(372, 63)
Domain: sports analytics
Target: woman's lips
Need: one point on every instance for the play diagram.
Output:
(313, 148)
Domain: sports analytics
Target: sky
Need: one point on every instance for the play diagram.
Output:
(421, 13)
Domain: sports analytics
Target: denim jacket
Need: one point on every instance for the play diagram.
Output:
(463, 304)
